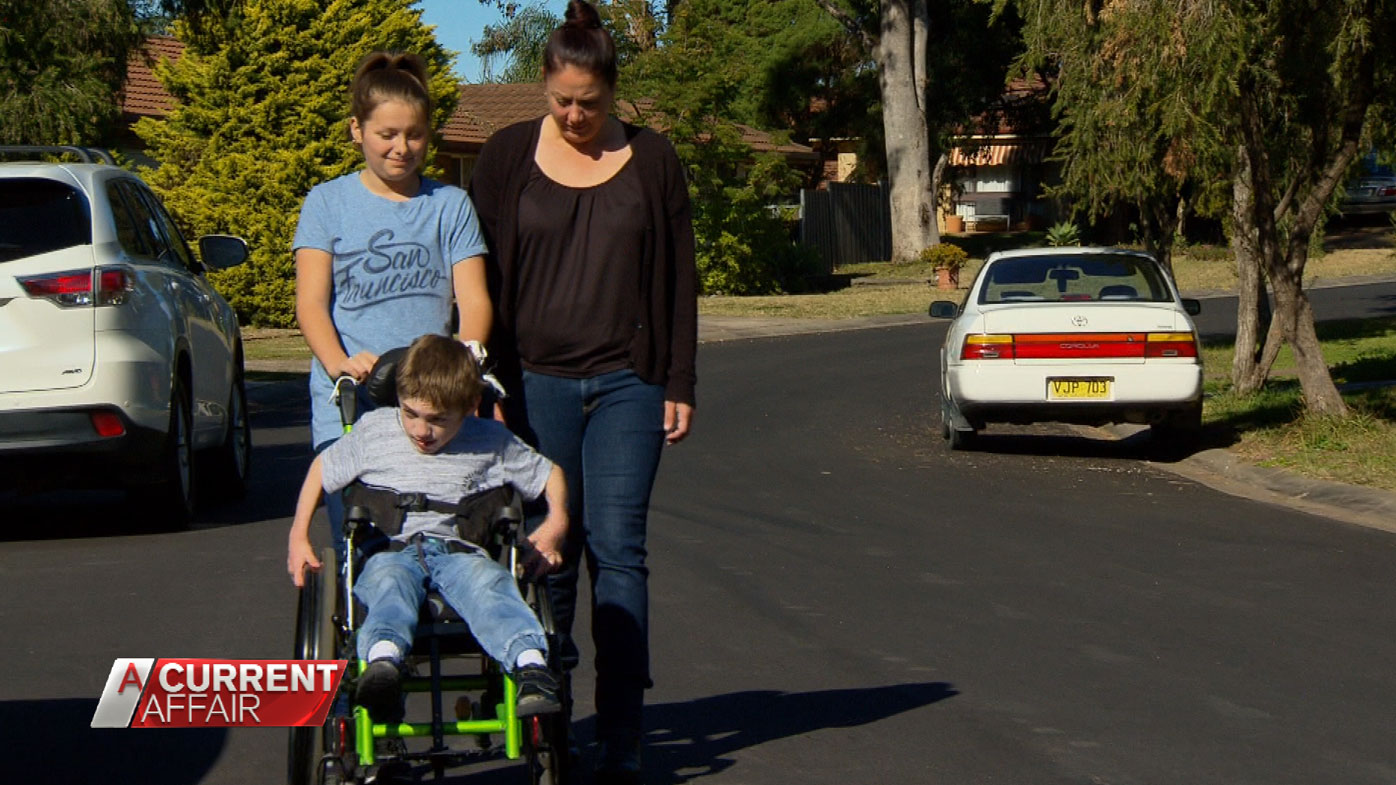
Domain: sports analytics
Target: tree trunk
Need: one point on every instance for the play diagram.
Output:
(1250, 284)
(1159, 223)
(1284, 263)
(901, 54)
(1295, 318)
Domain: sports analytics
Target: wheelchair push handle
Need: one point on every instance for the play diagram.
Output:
(346, 396)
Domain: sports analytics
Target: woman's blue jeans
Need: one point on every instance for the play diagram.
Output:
(606, 433)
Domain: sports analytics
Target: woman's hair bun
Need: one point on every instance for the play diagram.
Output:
(582, 42)
(582, 14)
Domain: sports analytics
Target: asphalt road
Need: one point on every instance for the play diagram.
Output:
(1345, 299)
(836, 599)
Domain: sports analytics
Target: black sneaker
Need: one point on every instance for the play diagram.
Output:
(537, 691)
(380, 691)
(618, 761)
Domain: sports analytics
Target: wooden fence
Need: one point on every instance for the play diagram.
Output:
(846, 224)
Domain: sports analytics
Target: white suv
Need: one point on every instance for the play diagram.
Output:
(118, 360)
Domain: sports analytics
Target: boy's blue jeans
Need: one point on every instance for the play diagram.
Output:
(393, 584)
(607, 434)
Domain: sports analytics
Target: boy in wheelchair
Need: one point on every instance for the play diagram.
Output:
(432, 444)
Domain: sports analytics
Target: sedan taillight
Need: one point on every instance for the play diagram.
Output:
(987, 347)
(1171, 345)
(1062, 346)
(74, 289)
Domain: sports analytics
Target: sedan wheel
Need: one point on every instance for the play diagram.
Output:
(961, 440)
(1179, 430)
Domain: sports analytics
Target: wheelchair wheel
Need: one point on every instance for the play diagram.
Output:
(317, 638)
(545, 737)
(545, 748)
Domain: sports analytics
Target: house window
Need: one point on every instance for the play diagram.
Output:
(992, 179)
(456, 169)
(467, 165)
(847, 163)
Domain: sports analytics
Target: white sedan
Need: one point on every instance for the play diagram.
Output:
(1078, 335)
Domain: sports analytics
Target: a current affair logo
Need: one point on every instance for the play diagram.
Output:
(201, 693)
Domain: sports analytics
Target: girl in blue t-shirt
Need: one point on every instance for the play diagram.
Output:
(381, 253)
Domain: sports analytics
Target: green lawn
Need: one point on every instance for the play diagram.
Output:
(1271, 427)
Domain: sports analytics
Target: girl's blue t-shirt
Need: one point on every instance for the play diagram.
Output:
(392, 263)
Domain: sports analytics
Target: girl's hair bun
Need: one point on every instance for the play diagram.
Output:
(385, 76)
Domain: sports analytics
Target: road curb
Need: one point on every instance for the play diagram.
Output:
(1223, 470)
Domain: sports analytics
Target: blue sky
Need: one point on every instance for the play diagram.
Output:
(458, 25)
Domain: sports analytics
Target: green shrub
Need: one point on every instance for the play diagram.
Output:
(1063, 233)
(951, 257)
(260, 117)
(741, 247)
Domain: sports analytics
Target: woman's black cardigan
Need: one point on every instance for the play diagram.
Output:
(664, 347)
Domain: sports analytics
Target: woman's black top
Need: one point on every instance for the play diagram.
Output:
(575, 244)
(664, 340)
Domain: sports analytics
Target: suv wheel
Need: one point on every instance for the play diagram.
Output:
(232, 460)
(170, 501)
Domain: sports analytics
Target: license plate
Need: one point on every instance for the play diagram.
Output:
(1078, 389)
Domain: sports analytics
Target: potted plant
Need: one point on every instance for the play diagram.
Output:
(945, 260)
(1062, 234)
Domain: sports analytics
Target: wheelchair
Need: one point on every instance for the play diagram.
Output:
(445, 660)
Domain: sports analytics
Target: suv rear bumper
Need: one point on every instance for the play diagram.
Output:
(63, 447)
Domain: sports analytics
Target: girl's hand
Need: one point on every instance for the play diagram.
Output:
(359, 366)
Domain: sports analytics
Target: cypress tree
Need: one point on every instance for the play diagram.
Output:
(61, 65)
(261, 116)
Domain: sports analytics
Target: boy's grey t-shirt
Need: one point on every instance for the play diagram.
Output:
(484, 454)
(392, 269)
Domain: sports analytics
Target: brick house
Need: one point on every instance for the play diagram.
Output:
(480, 110)
(997, 171)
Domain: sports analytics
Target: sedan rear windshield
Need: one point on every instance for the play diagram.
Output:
(1074, 278)
(38, 216)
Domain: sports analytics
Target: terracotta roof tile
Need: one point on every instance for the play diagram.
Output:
(143, 95)
(486, 108)
(481, 110)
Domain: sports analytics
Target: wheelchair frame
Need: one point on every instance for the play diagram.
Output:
(344, 750)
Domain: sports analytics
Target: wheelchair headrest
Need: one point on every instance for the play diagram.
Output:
(381, 384)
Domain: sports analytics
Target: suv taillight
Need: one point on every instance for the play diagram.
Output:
(74, 289)
(107, 424)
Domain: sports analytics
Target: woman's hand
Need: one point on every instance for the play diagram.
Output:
(678, 420)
